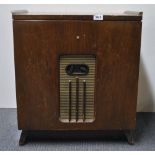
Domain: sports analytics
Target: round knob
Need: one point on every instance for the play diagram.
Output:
(83, 69)
(77, 37)
(70, 69)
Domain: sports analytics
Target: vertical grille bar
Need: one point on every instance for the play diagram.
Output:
(70, 100)
(77, 98)
(84, 100)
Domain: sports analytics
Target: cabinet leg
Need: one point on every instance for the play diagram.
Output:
(23, 138)
(130, 135)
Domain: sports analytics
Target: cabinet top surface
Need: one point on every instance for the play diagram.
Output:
(125, 16)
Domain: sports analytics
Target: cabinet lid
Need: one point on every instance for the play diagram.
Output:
(125, 16)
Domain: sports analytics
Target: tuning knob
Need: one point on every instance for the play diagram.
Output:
(83, 69)
(70, 69)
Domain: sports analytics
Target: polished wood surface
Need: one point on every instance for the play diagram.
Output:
(37, 47)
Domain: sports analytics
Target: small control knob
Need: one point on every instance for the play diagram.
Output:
(70, 69)
(83, 69)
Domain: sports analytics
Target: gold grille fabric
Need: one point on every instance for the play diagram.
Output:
(64, 89)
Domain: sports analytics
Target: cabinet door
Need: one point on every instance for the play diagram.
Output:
(38, 46)
(118, 53)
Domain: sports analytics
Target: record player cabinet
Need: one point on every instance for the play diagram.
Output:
(76, 72)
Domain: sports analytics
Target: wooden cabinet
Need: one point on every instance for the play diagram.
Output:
(40, 41)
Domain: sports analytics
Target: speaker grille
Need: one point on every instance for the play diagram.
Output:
(77, 91)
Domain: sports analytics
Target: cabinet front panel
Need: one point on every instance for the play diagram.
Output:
(38, 48)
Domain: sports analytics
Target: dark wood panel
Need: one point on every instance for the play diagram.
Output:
(35, 66)
(37, 49)
(118, 51)
(38, 45)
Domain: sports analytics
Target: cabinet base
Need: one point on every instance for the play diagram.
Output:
(23, 138)
(129, 134)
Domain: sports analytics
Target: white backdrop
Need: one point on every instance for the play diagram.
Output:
(146, 92)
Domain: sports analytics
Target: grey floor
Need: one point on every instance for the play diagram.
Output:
(9, 136)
